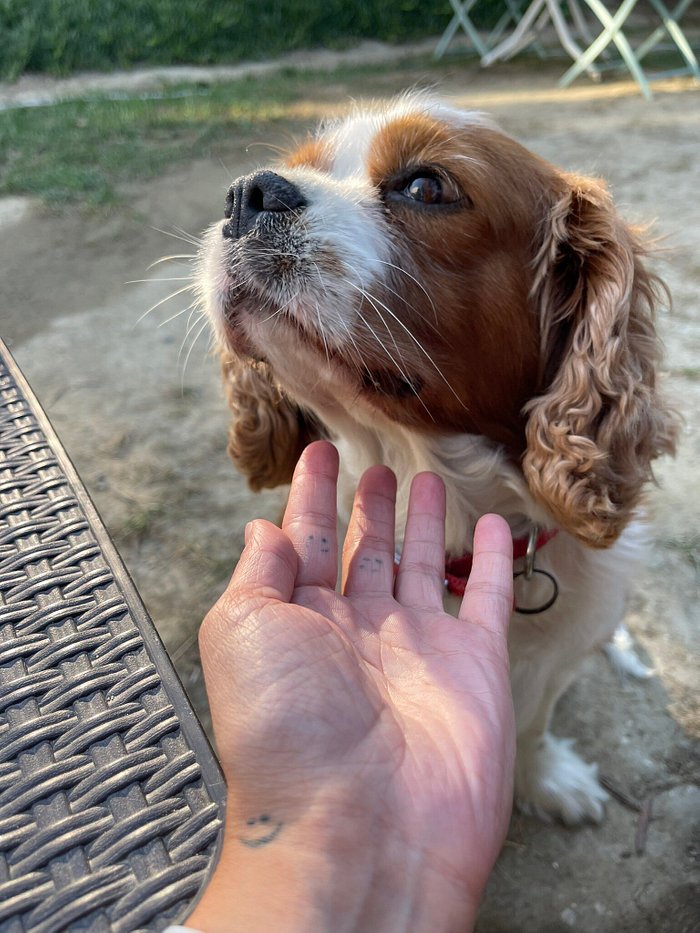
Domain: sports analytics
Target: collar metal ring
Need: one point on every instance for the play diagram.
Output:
(546, 605)
(531, 551)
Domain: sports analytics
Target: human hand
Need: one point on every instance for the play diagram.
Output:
(367, 738)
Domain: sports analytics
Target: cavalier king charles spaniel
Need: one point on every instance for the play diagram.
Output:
(421, 289)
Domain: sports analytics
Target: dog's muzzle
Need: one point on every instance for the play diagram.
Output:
(252, 197)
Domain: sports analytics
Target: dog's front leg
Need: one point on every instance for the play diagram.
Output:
(551, 780)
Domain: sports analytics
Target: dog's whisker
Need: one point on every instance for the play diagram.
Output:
(176, 278)
(197, 240)
(381, 317)
(191, 324)
(277, 149)
(396, 364)
(322, 331)
(173, 258)
(415, 341)
(225, 167)
(281, 309)
(189, 352)
(360, 360)
(274, 314)
(186, 238)
(174, 294)
(317, 308)
(191, 318)
(348, 332)
(393, 265)
(412, 308)
(424, 352)
(178, 314)
(398, 295)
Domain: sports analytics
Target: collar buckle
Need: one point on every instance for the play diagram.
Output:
(529, 570)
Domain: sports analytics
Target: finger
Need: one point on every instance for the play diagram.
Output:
(268, 565)
(488, 598)
(265, 574)
(368, 553)
(420, 581)
(310, 519)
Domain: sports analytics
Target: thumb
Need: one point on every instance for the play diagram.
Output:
(266, 572)
(267, 567)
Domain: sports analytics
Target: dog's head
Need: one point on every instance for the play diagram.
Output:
(415, 261)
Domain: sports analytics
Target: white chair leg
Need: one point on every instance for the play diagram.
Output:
(461, 18)
(580, 22)
(520, 37)
(611, 33)
(511, 14)
(566, 39)
(447, 37)
(670, 25)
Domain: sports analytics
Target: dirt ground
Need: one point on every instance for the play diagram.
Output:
(147, 435)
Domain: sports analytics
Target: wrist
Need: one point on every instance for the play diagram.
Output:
(331, 875)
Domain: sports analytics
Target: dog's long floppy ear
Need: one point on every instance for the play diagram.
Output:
(268, 431)
(593, 433)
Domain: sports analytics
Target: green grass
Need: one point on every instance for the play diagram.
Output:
(62, 36)
(138, 526)
(84, 150)
(87, 151)
(688, 372)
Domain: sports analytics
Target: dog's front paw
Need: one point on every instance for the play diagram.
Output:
(623, 658)
(552, 782)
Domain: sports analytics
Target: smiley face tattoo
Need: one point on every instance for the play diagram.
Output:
(259, 831)
(314, 543)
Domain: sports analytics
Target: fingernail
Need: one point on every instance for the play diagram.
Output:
(247, 533)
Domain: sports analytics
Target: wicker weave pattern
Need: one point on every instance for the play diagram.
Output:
(106, 820)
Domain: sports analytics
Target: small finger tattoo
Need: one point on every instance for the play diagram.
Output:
(371, 565)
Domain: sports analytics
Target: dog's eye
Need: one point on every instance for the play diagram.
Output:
(424, 188)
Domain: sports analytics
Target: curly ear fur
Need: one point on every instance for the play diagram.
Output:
(269, 430)
(593, 433)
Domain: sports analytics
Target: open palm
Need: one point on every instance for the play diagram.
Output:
(373, 704)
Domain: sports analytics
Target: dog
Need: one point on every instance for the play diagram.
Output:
(415, 285)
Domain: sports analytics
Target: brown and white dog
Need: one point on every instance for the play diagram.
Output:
(420, 288)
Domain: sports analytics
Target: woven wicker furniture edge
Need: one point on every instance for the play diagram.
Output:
(111, 799)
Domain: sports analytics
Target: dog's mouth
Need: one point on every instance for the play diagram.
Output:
(383, 381)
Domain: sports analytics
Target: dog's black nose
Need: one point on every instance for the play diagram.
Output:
(256, 194)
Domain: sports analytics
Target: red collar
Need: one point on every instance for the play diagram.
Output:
(457, 569)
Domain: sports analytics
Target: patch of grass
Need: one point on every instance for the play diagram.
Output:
(84, 151)
(61, 36)
(139, 524)
(688, 372)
